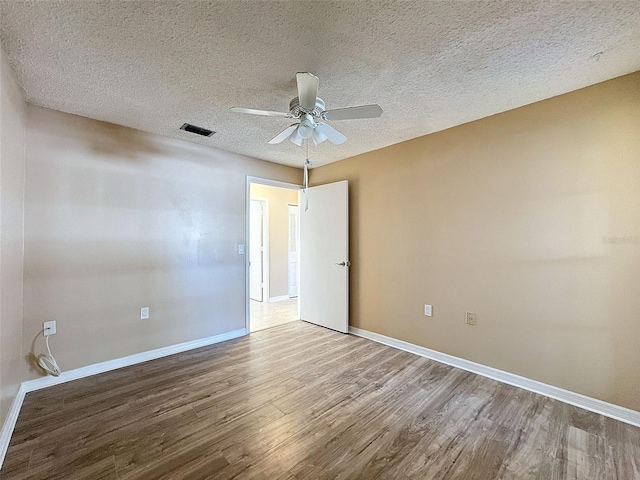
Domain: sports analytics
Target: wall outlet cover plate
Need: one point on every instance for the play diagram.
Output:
(49, 328)
(470, 319)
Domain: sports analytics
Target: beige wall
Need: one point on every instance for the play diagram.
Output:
(506, 217)
(117, 219)
(12, 134)
(279, 200)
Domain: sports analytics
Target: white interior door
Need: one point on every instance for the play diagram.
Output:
(324, 257)
(293, 251)
(255, 250)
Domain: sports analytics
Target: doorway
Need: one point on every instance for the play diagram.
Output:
(272, 246)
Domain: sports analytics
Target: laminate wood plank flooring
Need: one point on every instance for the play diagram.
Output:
(298, 402)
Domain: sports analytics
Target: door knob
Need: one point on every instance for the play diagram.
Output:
(344, 264)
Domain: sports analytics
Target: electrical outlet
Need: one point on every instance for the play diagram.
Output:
(470, 319)
(144, 313)
(49, 328)
(427, 310)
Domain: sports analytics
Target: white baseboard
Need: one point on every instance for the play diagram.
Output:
(278, 299)
(96, 368)
(616, 412)
(43, 382)
(10, 423)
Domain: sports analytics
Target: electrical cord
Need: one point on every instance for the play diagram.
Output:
(47, 362)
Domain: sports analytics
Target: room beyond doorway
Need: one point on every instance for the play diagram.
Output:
(267, 315)
(272, 253)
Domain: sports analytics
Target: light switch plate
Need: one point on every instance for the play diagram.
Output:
(144, 313)
(427, 310)
(240, 249)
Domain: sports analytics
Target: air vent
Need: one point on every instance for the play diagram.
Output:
(187, 127)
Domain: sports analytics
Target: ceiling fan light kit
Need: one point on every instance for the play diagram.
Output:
(295, 137)
(318, 137)
(305, 129)
(310, 110)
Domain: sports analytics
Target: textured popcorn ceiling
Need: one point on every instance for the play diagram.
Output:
(153, 65)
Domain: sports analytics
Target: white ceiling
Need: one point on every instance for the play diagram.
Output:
(153, 65)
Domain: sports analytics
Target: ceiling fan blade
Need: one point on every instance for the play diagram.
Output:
(283, 135)
(332, 134)
(253, 111)
(307, 89)
(352, 113)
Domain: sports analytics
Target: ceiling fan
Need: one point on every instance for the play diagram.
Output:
(310, 109)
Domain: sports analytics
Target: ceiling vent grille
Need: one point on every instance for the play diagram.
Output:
(187, 127)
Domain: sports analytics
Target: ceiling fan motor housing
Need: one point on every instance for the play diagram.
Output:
(296, 110)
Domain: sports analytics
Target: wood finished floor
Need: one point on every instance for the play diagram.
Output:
(300, 402)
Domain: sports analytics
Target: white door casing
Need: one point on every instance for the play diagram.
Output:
(324, 257)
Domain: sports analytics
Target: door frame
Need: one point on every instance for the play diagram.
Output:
(265, 245)
(247, 205)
